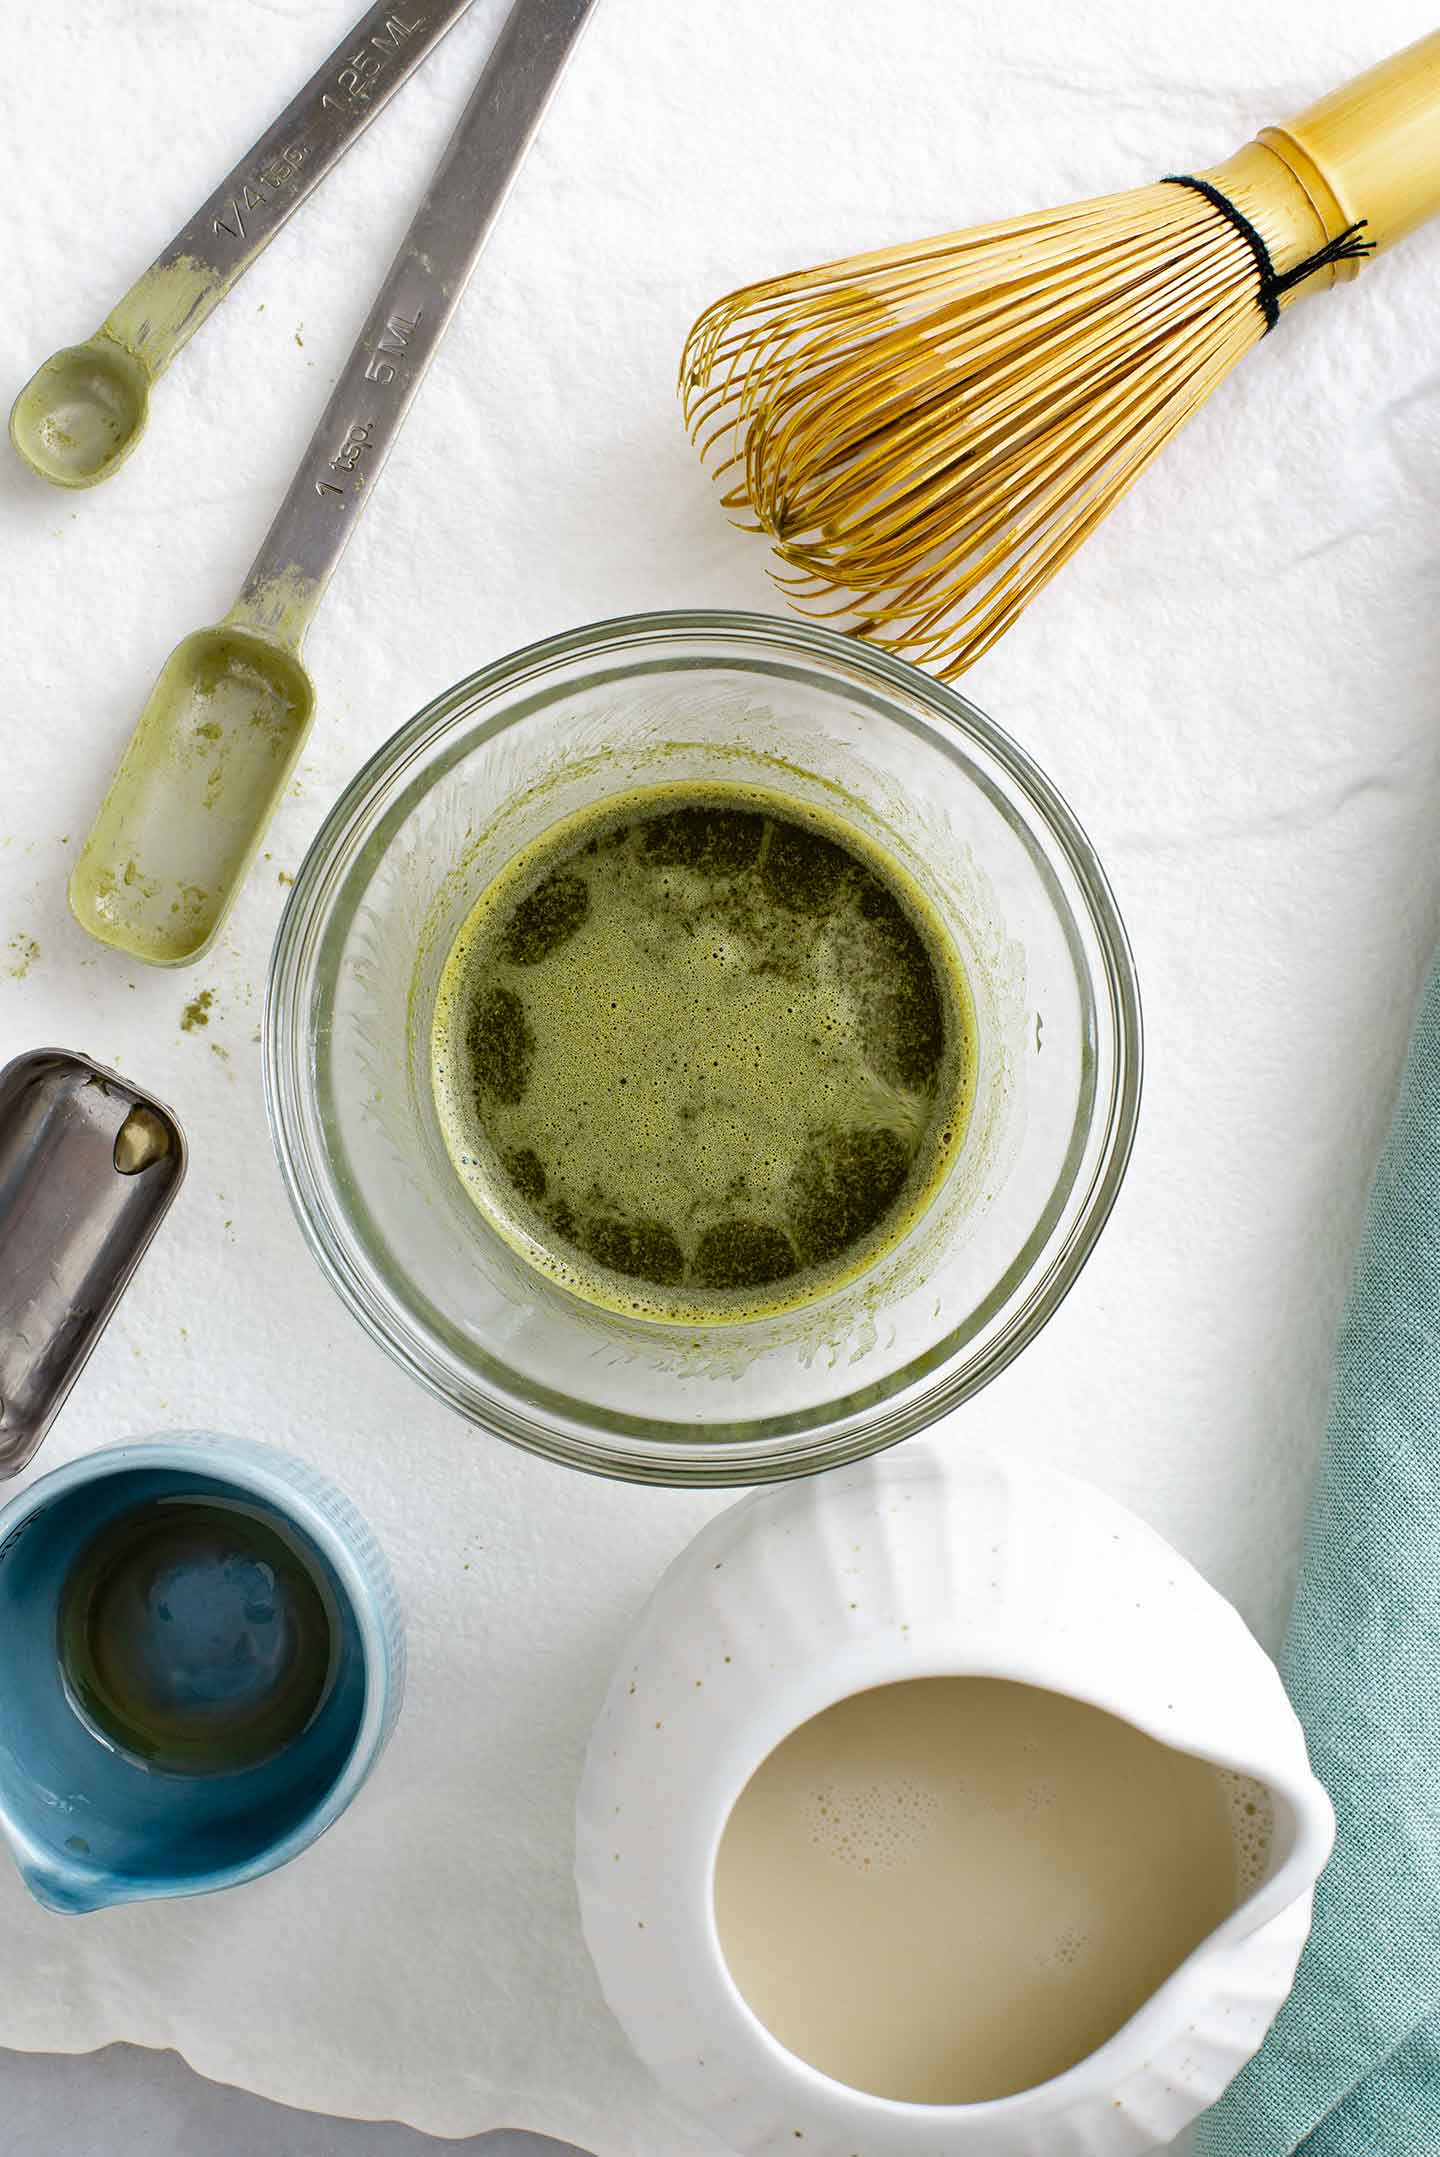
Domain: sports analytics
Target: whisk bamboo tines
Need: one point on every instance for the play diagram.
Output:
(928, 432)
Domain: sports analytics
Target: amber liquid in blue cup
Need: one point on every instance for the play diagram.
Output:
(199, 1635)
(202, 1661)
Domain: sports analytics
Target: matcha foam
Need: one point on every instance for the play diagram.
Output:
(702, 1053)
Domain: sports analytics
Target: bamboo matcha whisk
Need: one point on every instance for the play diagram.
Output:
(926, 433)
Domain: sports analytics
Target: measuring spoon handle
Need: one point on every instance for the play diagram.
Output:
(184, 285)
(409, 318)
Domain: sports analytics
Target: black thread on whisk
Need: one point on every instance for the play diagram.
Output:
(1346, 249)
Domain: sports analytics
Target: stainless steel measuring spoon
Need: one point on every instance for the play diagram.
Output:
(224, 724)
(80, 415)
(89, 1166)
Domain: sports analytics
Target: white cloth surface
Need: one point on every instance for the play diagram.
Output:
(1237, 684)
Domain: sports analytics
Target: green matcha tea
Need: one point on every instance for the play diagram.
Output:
(702, 1053)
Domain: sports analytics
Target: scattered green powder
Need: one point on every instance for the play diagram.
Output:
(26, 951)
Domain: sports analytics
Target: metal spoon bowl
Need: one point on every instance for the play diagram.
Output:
(81, 414)
(89, 1165)
(206, 765)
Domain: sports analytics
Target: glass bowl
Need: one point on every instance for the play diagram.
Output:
(451, 797)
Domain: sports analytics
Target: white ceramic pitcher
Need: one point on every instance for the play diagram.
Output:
(925, 1562)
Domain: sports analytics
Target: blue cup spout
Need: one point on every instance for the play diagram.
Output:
(59, 1874)
(68, 1891)
(89, 1823)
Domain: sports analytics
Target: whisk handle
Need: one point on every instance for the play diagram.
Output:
(1371, 149)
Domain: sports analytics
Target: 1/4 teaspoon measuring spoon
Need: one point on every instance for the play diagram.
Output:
(80, 415)
(224, 724)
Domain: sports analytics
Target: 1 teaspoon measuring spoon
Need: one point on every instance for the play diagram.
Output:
(224, 724)
(80, 415)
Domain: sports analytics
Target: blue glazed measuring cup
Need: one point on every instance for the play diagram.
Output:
(89, 1825)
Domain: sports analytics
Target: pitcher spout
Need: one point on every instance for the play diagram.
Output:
(64, 1880)
(70, 1894)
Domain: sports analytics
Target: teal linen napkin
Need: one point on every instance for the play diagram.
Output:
(1352, 2066)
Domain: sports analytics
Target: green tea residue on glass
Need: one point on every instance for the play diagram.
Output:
(703, 1053)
